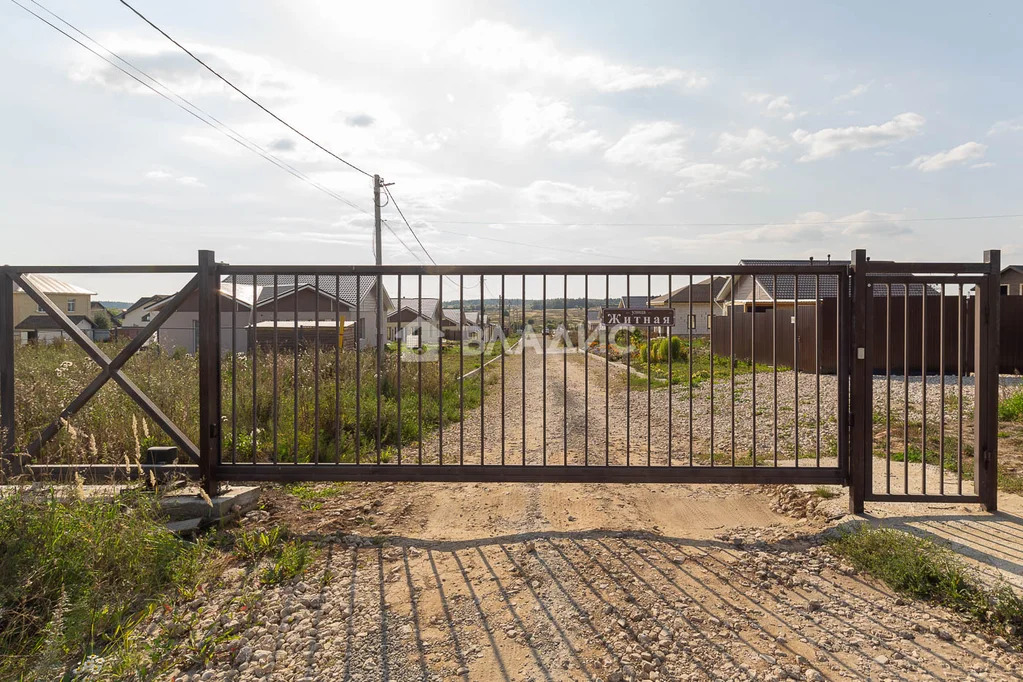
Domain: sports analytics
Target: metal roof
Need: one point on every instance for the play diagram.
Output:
(634, 301)
(701, 292)
(343, 288)
(809, 287)
(428, 310)
(52, 285)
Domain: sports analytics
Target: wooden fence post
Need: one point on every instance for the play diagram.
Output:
(6, 363)
(860, 403)
(209, 371)
(986, 322)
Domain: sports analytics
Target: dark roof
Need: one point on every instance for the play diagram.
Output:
(343, 288)
(428, 310)
(701, 292)
(808, 284)
(634, 301)
(46, 322)
(1014, 268)
(144, 301)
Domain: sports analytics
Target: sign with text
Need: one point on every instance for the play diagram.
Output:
(638, 317)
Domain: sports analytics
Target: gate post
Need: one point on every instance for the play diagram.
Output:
(986, 359)
(861, 401)
(208, 350)
(6, 363)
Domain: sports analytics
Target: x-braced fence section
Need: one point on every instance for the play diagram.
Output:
(110, 368)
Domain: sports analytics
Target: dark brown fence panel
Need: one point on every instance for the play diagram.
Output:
(1011, 346)
(781, 339)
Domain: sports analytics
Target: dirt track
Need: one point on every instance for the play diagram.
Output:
(579, 581)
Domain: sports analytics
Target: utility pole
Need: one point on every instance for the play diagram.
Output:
(380, 319)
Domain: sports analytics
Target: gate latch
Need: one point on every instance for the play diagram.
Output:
(861, 353)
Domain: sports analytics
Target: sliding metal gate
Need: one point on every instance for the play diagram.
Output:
(768, 373)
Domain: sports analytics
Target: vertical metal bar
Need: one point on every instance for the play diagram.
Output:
(419, 365)
(860, 404)
(607, 373)
(461, 369)
(254, 317)
(941, 372)
(960, 354)
(234, 367)
(753, 362)
(795, 358)
(523, 353)
(586, 369)
(843, 355)
(294, 378)
(923, 387)
(670, 375)
(276, 394)
(483, 344)
(649, 349)
(440, 373)
(712, 382)
(397, 363)
(817, 355)
(359, 331)
(905, 389)
(888, 393)
(986, 369)
(380, 321)
(7, 423)
(338, 340)
(209, 370)
(774, 358)
(690, 323)
(564, 369)
(316, 371)
(731, 361)
(628, 379)
(504, 348)
(544, 335)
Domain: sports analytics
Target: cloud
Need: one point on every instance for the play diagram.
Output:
(777, 106)
(360, 120)
(874, 224)
(284, 144)
(942, 160)
(829, 142)
(855, 92)
(758, 163)
(1012, 125)
(162, 175)
(659, 145)
(755, 141)
(566, 194)
(707, 175)
(526, 119)
(501, 48)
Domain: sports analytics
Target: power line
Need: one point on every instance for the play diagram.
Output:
(407, 224)
(245, 94)
(195, 110)
(191, 108)
(846, 221)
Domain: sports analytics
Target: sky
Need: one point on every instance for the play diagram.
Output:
(514, 133)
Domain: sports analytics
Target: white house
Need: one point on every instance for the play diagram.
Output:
(44, 329)
(142, 311)
(704, 304)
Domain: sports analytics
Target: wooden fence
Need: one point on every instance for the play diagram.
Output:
(897, 335)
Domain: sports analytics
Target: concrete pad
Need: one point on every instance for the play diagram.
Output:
(187, 504)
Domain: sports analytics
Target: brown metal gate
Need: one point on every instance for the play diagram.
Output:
(769, 374)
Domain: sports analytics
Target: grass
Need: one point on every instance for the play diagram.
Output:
(704, 367)
(112, 429)
(78, 576)
(921, 569)
(1010, 405)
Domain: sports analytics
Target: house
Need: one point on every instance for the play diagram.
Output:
(467, 326)
(72, 299)
(416, 321)
(786, 291)
(633, 301)
(44, 329)
(1012, 280)
(326, 299)
(139, 313)
(702, 296)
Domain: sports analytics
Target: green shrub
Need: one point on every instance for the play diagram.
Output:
(76, 575)
(1010, 408)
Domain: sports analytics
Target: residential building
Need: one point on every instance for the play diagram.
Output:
(415, 321)
(699, 301)
(44, 329)
(1012, 280)
(327, 299)
(71, 298)
(142, 311)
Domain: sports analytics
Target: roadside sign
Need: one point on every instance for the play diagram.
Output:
(638, 317)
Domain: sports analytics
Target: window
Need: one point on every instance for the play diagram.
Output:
(1021, 289)
(71, 305)
(145, 318)
(39, 309)
(1005, 290)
